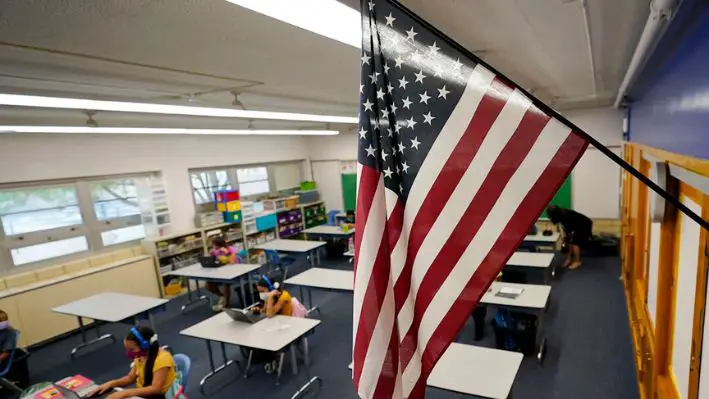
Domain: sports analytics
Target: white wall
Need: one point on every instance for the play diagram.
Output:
(44, 157)
(596, 179)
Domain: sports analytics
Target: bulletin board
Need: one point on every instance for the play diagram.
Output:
(348, 170)
(563, 196)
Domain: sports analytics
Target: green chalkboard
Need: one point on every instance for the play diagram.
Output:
(349, 190)
(562, 197)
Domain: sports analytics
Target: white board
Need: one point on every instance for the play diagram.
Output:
(329, 182)
(288, 175)
(595, 188)
(686, 294)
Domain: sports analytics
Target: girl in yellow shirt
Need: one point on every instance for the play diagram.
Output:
(153, 369)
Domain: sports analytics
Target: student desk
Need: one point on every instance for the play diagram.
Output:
(309, 248)
(227, 274)
(527, 261)
(334, 232)
(539, 239)
(325, 279)
(476, 371)
(109, 307)
(533, 300)
(277, 334)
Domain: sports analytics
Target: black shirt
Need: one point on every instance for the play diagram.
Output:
(574, 222)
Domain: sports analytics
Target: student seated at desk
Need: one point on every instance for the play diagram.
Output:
(153, 370)
(226, 254)
(275, 300)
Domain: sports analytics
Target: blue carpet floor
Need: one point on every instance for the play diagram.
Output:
(589, 352)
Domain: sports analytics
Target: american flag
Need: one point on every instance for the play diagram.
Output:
(455, 164)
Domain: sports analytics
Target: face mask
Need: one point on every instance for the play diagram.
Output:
(134, 355)
(263, 295)
(4, 325)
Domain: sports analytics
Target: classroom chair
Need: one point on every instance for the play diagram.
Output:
(275, 261)
(6, 383)
(183, 364)
(332, 217)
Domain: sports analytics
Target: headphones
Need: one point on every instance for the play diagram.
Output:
(271, 286)
(142, 343)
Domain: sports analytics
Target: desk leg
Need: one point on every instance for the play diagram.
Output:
(311, 255)
(311, 306)
(85, 342)
(293, 359)
(151, 319)
(244, 281)
(541, 336)
(200, 298)
(312, 381)
(280, 367)
(215, 370)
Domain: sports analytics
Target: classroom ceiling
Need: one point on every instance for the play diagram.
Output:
(165, 50)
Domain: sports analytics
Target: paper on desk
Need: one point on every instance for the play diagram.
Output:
(511, 290)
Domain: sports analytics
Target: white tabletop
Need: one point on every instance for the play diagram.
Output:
(475, 370)
(487, 372)
(533, 295)
(268, 334)
(349, 253)
(531, 259)
(291, 245)
(110, 306)
(317, 277)
(224, 273)
(329, 230)
(540, 237)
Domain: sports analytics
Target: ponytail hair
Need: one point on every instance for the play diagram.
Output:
(147, 340)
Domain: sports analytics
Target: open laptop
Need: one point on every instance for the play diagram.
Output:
(209, 262)
(244, 316)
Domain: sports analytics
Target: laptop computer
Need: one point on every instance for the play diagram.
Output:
(244, 316)
(209, 261)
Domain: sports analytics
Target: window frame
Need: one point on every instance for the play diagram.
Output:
(267, 179)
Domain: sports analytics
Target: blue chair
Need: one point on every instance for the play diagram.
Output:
(274, 260)
(332, 217)
(183, 364)
(3, 373)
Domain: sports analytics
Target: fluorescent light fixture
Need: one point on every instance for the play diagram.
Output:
(159, 130)
(328, 18)
(20, 100)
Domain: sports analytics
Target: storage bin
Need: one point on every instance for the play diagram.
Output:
(307, 185)
(266, 222)
(232, 217)
(307, 197)
(250, 227)
(226, 196)
(231, 206)
(292, 202)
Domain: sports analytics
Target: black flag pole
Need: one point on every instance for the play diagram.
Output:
(550, 111)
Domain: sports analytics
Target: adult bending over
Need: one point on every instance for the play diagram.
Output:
(577, 232)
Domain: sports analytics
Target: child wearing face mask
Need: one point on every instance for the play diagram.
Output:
(153, 371)
(275, 299)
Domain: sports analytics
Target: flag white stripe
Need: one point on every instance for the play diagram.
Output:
(534, 164)
(371, 238)
(491, 148)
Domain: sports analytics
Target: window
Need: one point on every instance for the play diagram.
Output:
(32, 210)
(115, 199)
(125, 234)
(205, 184)
(253, 181)
(38, 252)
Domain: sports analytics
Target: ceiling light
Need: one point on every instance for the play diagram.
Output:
(159, 130)
(328, 18)
(166, 109)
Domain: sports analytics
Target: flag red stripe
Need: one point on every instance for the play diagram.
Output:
(541, 193)
(504, 167)
(484, 116)
(374, 296)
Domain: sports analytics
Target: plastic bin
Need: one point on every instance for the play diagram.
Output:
(306, 197)
(266, 222)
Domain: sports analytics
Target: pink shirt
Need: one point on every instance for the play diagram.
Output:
(228, 251)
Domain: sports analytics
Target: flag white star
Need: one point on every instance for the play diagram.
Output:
(410, 34)
(437, 71)
(405, 167)
(398, 60)
(457, 64)
(374, 77)
(370, 151)
(390, 88)
(380, 94)
(411, 122)
(388, 172)
(402, 147)
(368, 105)
(361, 89)
(420, 77)
(407, 103)
(371, 6)
(384, 156)
(415, 143)
(362, 133)
(386, 68)
(397, 127)
(365, 59)
(390, 20)
(433, 48)
(389, 132)
(442, 92)
(393, 108)
(403, 83)
(401, 188)
(428, 118)
(384, 112)
(424, 97)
